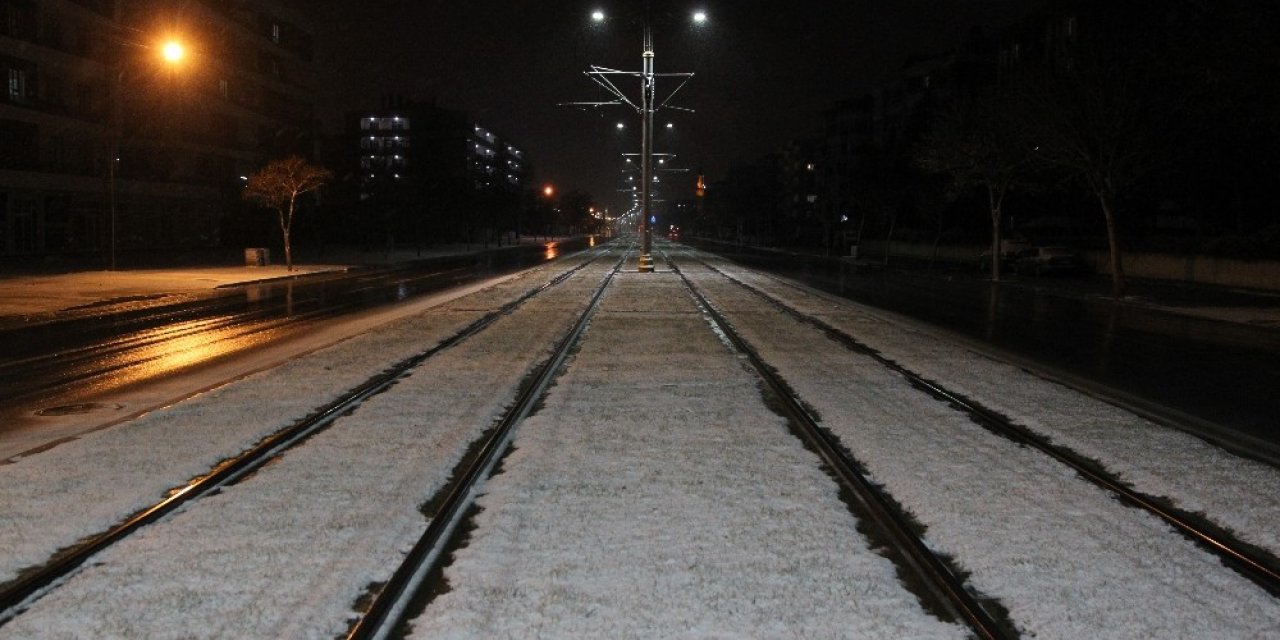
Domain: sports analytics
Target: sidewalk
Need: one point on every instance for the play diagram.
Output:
(46, 294)
(31, 295)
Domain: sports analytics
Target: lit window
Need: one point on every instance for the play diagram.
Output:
(17, 84)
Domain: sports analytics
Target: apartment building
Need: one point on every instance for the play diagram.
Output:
(112, 146)
(426, 169)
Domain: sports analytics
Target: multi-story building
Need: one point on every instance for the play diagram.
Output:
(800, 165)
(106, 148)
(429, 171)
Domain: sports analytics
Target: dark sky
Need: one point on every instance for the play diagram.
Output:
(765, 70)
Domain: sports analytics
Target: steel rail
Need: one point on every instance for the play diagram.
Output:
(388, 608)
(947, 590)
(20, 593)
(1235, 553)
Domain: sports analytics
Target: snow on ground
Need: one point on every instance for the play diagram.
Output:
(578, 537)
(1067, 560)
(81, 487)
(287, 553)
(655, 495)
(1240, 494)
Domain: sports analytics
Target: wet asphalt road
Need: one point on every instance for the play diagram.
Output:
(97, 349)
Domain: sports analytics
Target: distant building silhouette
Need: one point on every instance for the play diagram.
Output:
(427, 174)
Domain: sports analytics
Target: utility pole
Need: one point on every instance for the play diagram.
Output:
(646, 155)
(647, 108)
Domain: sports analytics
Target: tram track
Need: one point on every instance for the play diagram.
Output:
(34, 582)
(940, 586)
(388, 609)
(1254, 563)
(442, 506)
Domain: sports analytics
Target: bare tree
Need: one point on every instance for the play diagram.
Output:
(278, 186)
(1100, 112)
(976, 142)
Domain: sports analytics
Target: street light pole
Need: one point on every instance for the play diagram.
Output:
(114, 158)
(172, 52)
(647, 107)
(646, 154)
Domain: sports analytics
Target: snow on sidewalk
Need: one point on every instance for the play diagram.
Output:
(655, 495)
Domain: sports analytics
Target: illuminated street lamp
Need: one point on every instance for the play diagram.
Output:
(171, 52)
(648, 105)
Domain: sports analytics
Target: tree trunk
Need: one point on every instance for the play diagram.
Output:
(285, 223)
(1113, 244)
(888, 240)
(997, 205)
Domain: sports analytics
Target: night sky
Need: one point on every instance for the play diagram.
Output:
(765, 70)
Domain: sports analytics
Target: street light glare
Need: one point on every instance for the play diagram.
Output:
(173, 51)
(700, 17)
(597, 16)
(621, 126)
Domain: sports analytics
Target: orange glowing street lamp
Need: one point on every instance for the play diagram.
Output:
(173, 51)
(548, 191)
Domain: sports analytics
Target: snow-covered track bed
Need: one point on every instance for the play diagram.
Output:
(938, 584)
(1033, 525)
(386, 614)
(40, 585)
(659, 492)
(1253, 562)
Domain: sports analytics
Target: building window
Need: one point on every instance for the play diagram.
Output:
(394, 123)
(275, 32)
(17, 85)
(55, 92)
(224, 88)
(17, 20)
(268, 64)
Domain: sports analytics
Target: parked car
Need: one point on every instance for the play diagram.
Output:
(1009, 250)
(1044, 260)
